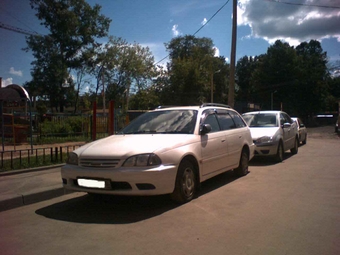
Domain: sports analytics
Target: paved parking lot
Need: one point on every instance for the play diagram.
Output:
(287, 208)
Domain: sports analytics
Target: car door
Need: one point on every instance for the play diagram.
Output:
(233, 136)
(288, 132)
(213, 145)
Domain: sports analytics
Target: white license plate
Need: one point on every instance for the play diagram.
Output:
(91, 183)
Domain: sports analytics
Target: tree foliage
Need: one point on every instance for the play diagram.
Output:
(73, 26)
(192, 69)
(294, 79)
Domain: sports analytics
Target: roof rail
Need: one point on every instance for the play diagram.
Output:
(215, 104)
(165, 106)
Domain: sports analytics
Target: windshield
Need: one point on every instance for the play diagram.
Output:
(165, 122)
(261, 120)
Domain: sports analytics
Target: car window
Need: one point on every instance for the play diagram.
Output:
(167, 121)
(212, 121)
(239, 123)
(285, 118)
(261, 120)
(282, 119)
(225, 120)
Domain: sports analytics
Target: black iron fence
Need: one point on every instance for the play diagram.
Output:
(37, 157)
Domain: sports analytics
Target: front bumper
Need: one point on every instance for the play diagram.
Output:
(266, 149)
(122, 181)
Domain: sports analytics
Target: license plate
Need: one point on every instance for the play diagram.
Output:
(87, 183)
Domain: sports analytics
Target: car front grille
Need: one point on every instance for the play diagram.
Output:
(90, 162)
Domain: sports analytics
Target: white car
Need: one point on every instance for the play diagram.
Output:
(164, 151)
(302, 130)
(273, 132)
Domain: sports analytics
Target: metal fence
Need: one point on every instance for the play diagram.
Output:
(32, 158)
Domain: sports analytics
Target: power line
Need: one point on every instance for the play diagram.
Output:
(303, 4)
(200, 27)
(8, 13)
(211, 17)
(18, 30)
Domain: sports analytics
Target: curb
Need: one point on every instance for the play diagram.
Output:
(12, 201)
(29, 170)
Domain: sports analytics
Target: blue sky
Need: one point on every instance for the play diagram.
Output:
(155, 22)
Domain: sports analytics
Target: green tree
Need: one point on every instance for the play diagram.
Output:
(275, 74)
(130, 70)
(244, 70)
(73, 26)
(312, 92)
(192, 70)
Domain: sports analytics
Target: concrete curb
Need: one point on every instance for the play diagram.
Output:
(29, 170)
(11, 201)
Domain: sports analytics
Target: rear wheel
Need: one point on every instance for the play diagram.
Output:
(279, 153)
(243, 166)
(185, 185)
(305, 141)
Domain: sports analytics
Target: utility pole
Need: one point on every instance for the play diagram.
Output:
(231, 93)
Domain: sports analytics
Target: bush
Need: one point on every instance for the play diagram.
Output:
(55, 128)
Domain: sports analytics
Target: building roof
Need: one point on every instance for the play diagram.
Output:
(13, 93)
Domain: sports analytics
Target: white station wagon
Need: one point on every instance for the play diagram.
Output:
(164, 151)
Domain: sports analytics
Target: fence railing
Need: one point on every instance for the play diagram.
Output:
(37, 157)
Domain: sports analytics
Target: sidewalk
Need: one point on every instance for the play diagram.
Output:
(27, 187)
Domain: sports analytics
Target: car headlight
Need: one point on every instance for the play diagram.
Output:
(72, 159)
(264, 139)
(143, 160)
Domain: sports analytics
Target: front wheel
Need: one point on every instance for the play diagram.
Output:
(279, 153)
(185, 185)
(295, 149)
(242, 169)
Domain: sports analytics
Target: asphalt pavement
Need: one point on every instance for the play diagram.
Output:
(23, 187)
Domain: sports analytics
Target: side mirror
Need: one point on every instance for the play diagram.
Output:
(287, 125)
(205, 128)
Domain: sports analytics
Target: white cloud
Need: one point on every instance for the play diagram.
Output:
(17, 73)
(217, 52)
(175, 31)
(291, 23)
(204, 21)
(6, 82)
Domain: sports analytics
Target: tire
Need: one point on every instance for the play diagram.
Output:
(279, 154)
(242, 169)
(305, 141)
(295, 149)
(186, 182)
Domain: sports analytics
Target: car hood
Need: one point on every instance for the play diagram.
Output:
(127, 145)
(257, 132)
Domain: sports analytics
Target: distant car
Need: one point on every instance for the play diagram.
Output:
(273, 133)
(164, 151)
(302, 130)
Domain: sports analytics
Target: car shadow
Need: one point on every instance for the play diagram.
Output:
(107, 209)
(267, 161)
(104, 209)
